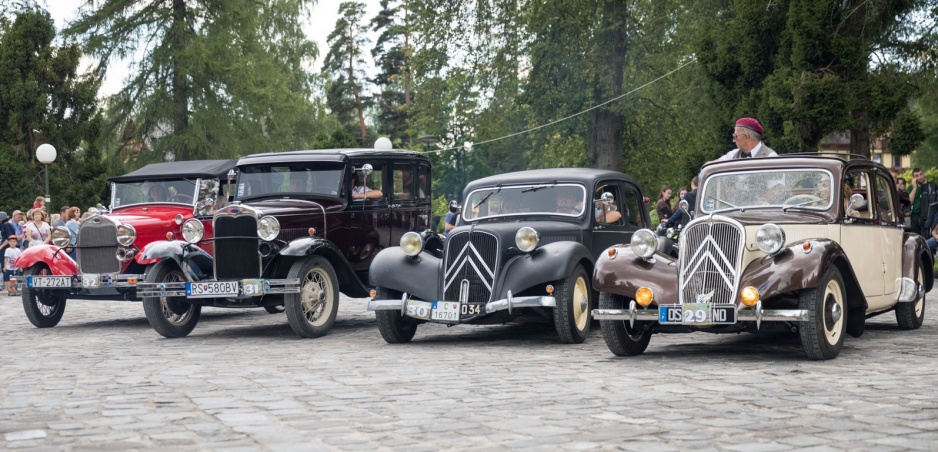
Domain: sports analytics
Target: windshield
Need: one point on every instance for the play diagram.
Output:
(808, 189)
(290, 179)
(543, 199)
(178, 191)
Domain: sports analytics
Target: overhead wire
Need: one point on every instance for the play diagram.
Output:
(692, 60)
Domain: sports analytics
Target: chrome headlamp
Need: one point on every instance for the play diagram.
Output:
(193, 230)
(126, 234)
(526, 239)
(61, 237)
(411, 244)
(268, 228)
(644, 243)
(770, 238)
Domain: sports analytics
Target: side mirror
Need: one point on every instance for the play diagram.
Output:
(684, 205)
(858, 203)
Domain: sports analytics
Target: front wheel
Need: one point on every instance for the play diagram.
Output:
(572, 315)
(622, 339)
(822, 336)
(911, 315)
(312, 312)
(170, 316)
(394, 327)
(44, 307)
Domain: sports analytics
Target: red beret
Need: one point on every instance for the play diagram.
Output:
(751, 124)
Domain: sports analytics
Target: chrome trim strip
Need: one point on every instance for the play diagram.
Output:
(749, 315)
(494, 306)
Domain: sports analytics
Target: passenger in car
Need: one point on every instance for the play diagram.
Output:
(361, 192)
(157, 193)
(567, 202)
(605, 209)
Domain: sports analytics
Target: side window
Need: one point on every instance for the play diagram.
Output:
(423, 182)
(884, 191)
(632, 205)
(607, 204)
(856, 195)
(370, 187)
(404, 182)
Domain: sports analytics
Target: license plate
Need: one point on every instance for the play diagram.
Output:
(212, 289)
(90, 280)
(471, 309)
(445, 311)
(419, 309)
(53, 282)
(255, 287)
(697, 314)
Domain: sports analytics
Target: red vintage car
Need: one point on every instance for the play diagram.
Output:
(145, 204)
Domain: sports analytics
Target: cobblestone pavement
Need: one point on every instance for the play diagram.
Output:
(104, 380)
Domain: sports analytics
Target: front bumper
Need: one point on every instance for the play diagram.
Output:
(423, 309)
(81, 281)
(743, 314)
(246, 288)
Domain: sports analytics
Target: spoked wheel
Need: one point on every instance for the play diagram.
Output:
(312, 312)
(572, 315)
(822, 337)
(911, 315)
(394, 327)
(622, 339)
(44, 307)
(170, 316)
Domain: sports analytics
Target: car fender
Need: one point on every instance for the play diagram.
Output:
(915, 254)
(349, 284)
(547, 263)
(194, 262)
(418, 276)
(58, 261)
(623, 273)
(795, 269)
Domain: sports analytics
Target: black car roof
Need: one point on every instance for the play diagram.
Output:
(189, 169)
(539, 176)
(327, 155)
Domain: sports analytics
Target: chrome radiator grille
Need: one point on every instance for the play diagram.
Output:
(97, 246)
(470, 266)
(711, 255)
(236, 245)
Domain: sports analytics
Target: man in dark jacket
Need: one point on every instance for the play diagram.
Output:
(924, 196)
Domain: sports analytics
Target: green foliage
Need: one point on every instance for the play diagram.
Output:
(344, 64)
(907, 133)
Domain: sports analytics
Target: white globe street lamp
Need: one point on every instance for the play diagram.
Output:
(45, 153)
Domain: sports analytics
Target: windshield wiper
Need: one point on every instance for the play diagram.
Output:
(487, 196)
(732, 206)
(539, 187)
(803, 204)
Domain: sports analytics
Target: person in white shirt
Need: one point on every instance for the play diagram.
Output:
(9, 268)
(748, 138)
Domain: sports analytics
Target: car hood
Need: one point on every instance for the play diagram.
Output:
(793, 216)
(150, 217)
(549, 231)
(285, 207)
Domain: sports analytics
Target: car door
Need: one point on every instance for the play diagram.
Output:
(405, 200)
(613, 229)
(891, 231)
(861, 237)
(369, 220)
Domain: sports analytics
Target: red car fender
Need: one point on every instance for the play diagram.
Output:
(58, 261)
(142, 261)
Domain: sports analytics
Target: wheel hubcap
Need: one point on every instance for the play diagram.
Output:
(833, 312)
(580, 303)
(317, 288)
(168, 303)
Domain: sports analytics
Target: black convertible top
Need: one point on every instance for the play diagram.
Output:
(191, 169)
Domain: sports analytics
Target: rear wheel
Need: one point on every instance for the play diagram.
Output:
(44, 307)
(312, 312)
(394, 327)
(572, 314)
(170, 316)
(622, 339)
(822, 337)
(911, 315)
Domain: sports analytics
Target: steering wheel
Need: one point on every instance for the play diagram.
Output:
(801, 199)
(181, 198)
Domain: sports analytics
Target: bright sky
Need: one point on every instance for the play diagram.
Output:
(321, 23)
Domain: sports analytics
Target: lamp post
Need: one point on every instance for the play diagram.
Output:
(428, 140)
(45, 153)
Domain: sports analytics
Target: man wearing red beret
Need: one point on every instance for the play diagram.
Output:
(748, 138)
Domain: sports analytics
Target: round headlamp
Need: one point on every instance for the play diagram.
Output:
(770, 238)
(179, 218)
(193, 230)
(411, 244)
(61, 237)
(644, 243)
(268, 228)
(526, 239)
(126, 234)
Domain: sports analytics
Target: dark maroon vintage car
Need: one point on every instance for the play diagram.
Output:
(302, 227)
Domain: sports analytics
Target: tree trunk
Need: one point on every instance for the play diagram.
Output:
(407, 87)
(607, 132)
(354, 88)
(180, 86)
(860, 134)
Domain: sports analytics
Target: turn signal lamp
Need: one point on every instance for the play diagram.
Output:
(371, 293)
(311, 231)
(749, 296)
(806, 246)
(169, 236)
(550, 289)
(132, 280)
(611, 252)
(644, 296)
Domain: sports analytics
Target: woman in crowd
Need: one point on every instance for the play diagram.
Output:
(37, 230)
(663, 207)
(74, 217)
(680, 194)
